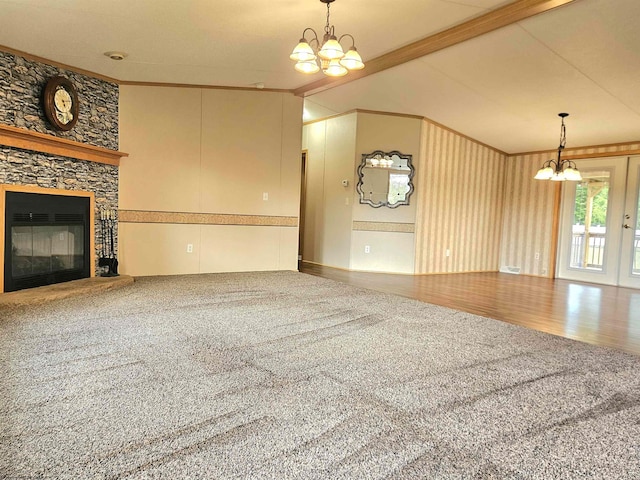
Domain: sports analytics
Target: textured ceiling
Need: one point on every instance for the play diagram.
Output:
(503, 88)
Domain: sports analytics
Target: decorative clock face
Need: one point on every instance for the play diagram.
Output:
(60, 102)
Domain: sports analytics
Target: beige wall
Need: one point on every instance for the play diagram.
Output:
(335, 147)
(330, 146)
(208, 151)
(389, 251)
(529, 210)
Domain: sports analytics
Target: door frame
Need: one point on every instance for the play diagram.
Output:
(626, 278)
(303, 203)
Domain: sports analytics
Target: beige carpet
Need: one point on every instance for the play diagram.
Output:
(289, 376)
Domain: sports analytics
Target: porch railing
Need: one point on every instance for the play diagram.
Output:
(594, 255)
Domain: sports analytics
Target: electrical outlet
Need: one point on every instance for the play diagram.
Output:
(367, 249)
(346, 201)
(189, 247)
(537, 256)
(265, 196)
(447, 253)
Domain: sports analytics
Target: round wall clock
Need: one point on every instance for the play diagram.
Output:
(60, 102)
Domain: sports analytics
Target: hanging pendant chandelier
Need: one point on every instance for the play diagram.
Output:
(559, 170)
(311, 56)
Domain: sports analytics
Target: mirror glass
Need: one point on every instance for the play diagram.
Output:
(384, 179)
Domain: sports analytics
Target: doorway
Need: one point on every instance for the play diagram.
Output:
(600, 229)
(303, 195)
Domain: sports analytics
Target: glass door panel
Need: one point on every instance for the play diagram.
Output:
(589, 221)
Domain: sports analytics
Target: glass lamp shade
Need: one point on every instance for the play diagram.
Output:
(310, 66)
(303, 52)
(334, 69)
(572, 174)
(558, 177)
(352, 60)
(545, 173)
(331, 49)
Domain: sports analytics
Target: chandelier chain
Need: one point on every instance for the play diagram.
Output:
(327, 28)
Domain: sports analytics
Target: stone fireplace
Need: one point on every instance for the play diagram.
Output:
(81, 165)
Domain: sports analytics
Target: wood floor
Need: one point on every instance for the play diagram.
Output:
(597, 314)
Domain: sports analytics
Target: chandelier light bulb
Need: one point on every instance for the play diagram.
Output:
(544, 173)
(331, 49)
(335, 69)
(573, 174)
(352, 60)
(303, 52)
(307, 67)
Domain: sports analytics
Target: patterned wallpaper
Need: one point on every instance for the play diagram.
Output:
(460, 203)
(529, 209)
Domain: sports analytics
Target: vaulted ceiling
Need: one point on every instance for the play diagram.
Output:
(504, 87)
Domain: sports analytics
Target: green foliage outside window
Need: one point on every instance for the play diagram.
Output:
(599, 214)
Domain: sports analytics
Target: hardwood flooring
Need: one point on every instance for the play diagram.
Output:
(597, 314)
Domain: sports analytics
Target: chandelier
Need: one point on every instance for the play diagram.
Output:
(311, 56)
(559, 170)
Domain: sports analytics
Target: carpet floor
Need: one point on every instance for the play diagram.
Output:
(282, 375)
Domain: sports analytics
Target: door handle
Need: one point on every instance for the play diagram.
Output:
(626, 225)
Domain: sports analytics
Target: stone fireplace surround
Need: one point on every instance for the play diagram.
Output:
(34, 157)
(35, 172)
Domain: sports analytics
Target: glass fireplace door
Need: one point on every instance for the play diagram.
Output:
(37, 250)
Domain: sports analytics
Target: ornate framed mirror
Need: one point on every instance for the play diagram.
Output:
(385, 179)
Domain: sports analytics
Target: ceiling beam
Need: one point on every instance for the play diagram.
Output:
(507, 15)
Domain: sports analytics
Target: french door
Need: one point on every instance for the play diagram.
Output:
(599, 237)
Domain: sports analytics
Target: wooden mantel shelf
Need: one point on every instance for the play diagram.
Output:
(43, 143)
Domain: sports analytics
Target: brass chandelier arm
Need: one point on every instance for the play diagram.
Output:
(315, 37)
(353, 40)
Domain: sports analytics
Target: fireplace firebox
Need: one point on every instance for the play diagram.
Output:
(47, 239)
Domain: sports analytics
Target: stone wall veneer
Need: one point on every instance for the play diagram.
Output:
(21, 84)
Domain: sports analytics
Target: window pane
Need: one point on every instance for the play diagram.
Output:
(590, 221)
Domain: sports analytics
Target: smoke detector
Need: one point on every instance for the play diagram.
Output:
(115, 55)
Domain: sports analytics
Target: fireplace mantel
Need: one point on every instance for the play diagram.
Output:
(43, 143)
